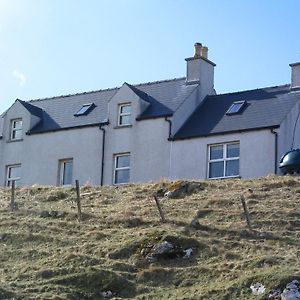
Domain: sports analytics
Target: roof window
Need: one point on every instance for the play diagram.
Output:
(236, 107)
(85, 109)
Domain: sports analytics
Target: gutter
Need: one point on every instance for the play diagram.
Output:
(170, 127)
(103, 150)
(276, 149)
(222, 133)
(31, 132)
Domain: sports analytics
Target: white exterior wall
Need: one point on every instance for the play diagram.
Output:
(189, 158)
(146, 141)
(39, 156)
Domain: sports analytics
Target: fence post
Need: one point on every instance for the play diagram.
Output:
(247, 215)
(13, 195)
(159, 209)
(78, 200)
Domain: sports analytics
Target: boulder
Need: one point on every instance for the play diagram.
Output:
(291, 291)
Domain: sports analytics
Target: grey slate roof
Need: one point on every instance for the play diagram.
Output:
(58, 112)
(34, 110)
(266, 108)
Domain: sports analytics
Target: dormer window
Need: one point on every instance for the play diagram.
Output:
(16, 130)
(124, 117)
(85, 109)
(236, 107)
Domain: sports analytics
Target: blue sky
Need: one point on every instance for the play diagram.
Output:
(55, 47)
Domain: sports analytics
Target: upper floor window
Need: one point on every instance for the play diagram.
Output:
(16, 129)
(223, 160)
(66, 171)
(13, 173)
(124, 117)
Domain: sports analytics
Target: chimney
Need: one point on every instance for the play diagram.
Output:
(295, 82)
(200, 70)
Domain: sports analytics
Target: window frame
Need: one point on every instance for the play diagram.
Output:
(89, 106)
(242, 104)
(224, 159)
(120, 114)
(9, 179)
(62, 163)
(14, 129)
(120, 168)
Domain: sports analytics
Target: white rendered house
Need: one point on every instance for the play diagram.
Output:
(176, 129)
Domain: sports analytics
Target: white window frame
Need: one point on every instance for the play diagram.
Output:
(14, 129)
(120, 114)
(62, 163)
(223, 159)
(10, 179)
(120, 168)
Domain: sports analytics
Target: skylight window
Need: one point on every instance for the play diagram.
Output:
(236, 107)
(85, 109)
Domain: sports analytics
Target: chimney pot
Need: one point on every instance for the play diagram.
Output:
(204, 52)
(198, 50)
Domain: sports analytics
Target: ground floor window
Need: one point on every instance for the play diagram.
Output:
(122, 168)
(66, 171)
(224, 160)
(13, 173)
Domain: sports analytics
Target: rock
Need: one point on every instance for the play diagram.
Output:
(257, 289)
(195, 223)
(291, 291)
(181, 189)
(52, 214)
(161, 192)
(107, 294)
(165, 250)
(3, 236)
(61, 214)
(44, 214)
(275, 294)
(265, 235)
(188, 253)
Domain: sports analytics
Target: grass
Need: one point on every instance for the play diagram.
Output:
(60, 258)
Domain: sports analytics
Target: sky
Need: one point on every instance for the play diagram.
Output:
(57, 47)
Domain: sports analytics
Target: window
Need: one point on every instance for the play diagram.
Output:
(13, 173)
(66, 171)
(16, 129)
(124, 117)
(122, 168)
(85, 109)
(223, 160)
(236, 107)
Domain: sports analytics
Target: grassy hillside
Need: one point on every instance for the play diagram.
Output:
(57, 257)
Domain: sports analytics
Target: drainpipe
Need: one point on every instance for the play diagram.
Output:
(103, 150)
(276, 149)
(170, 126)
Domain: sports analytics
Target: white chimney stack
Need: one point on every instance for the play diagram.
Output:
(200, 70)
(295, 82)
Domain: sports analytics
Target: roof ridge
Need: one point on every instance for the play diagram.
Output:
(268, 87)
(159, 81)
(104, 90)
(75, 94)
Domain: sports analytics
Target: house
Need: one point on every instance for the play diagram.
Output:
(174, 129)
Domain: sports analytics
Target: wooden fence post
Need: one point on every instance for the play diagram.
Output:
(159, 209)
(78, 200)
(13, 195)
(247, 215)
